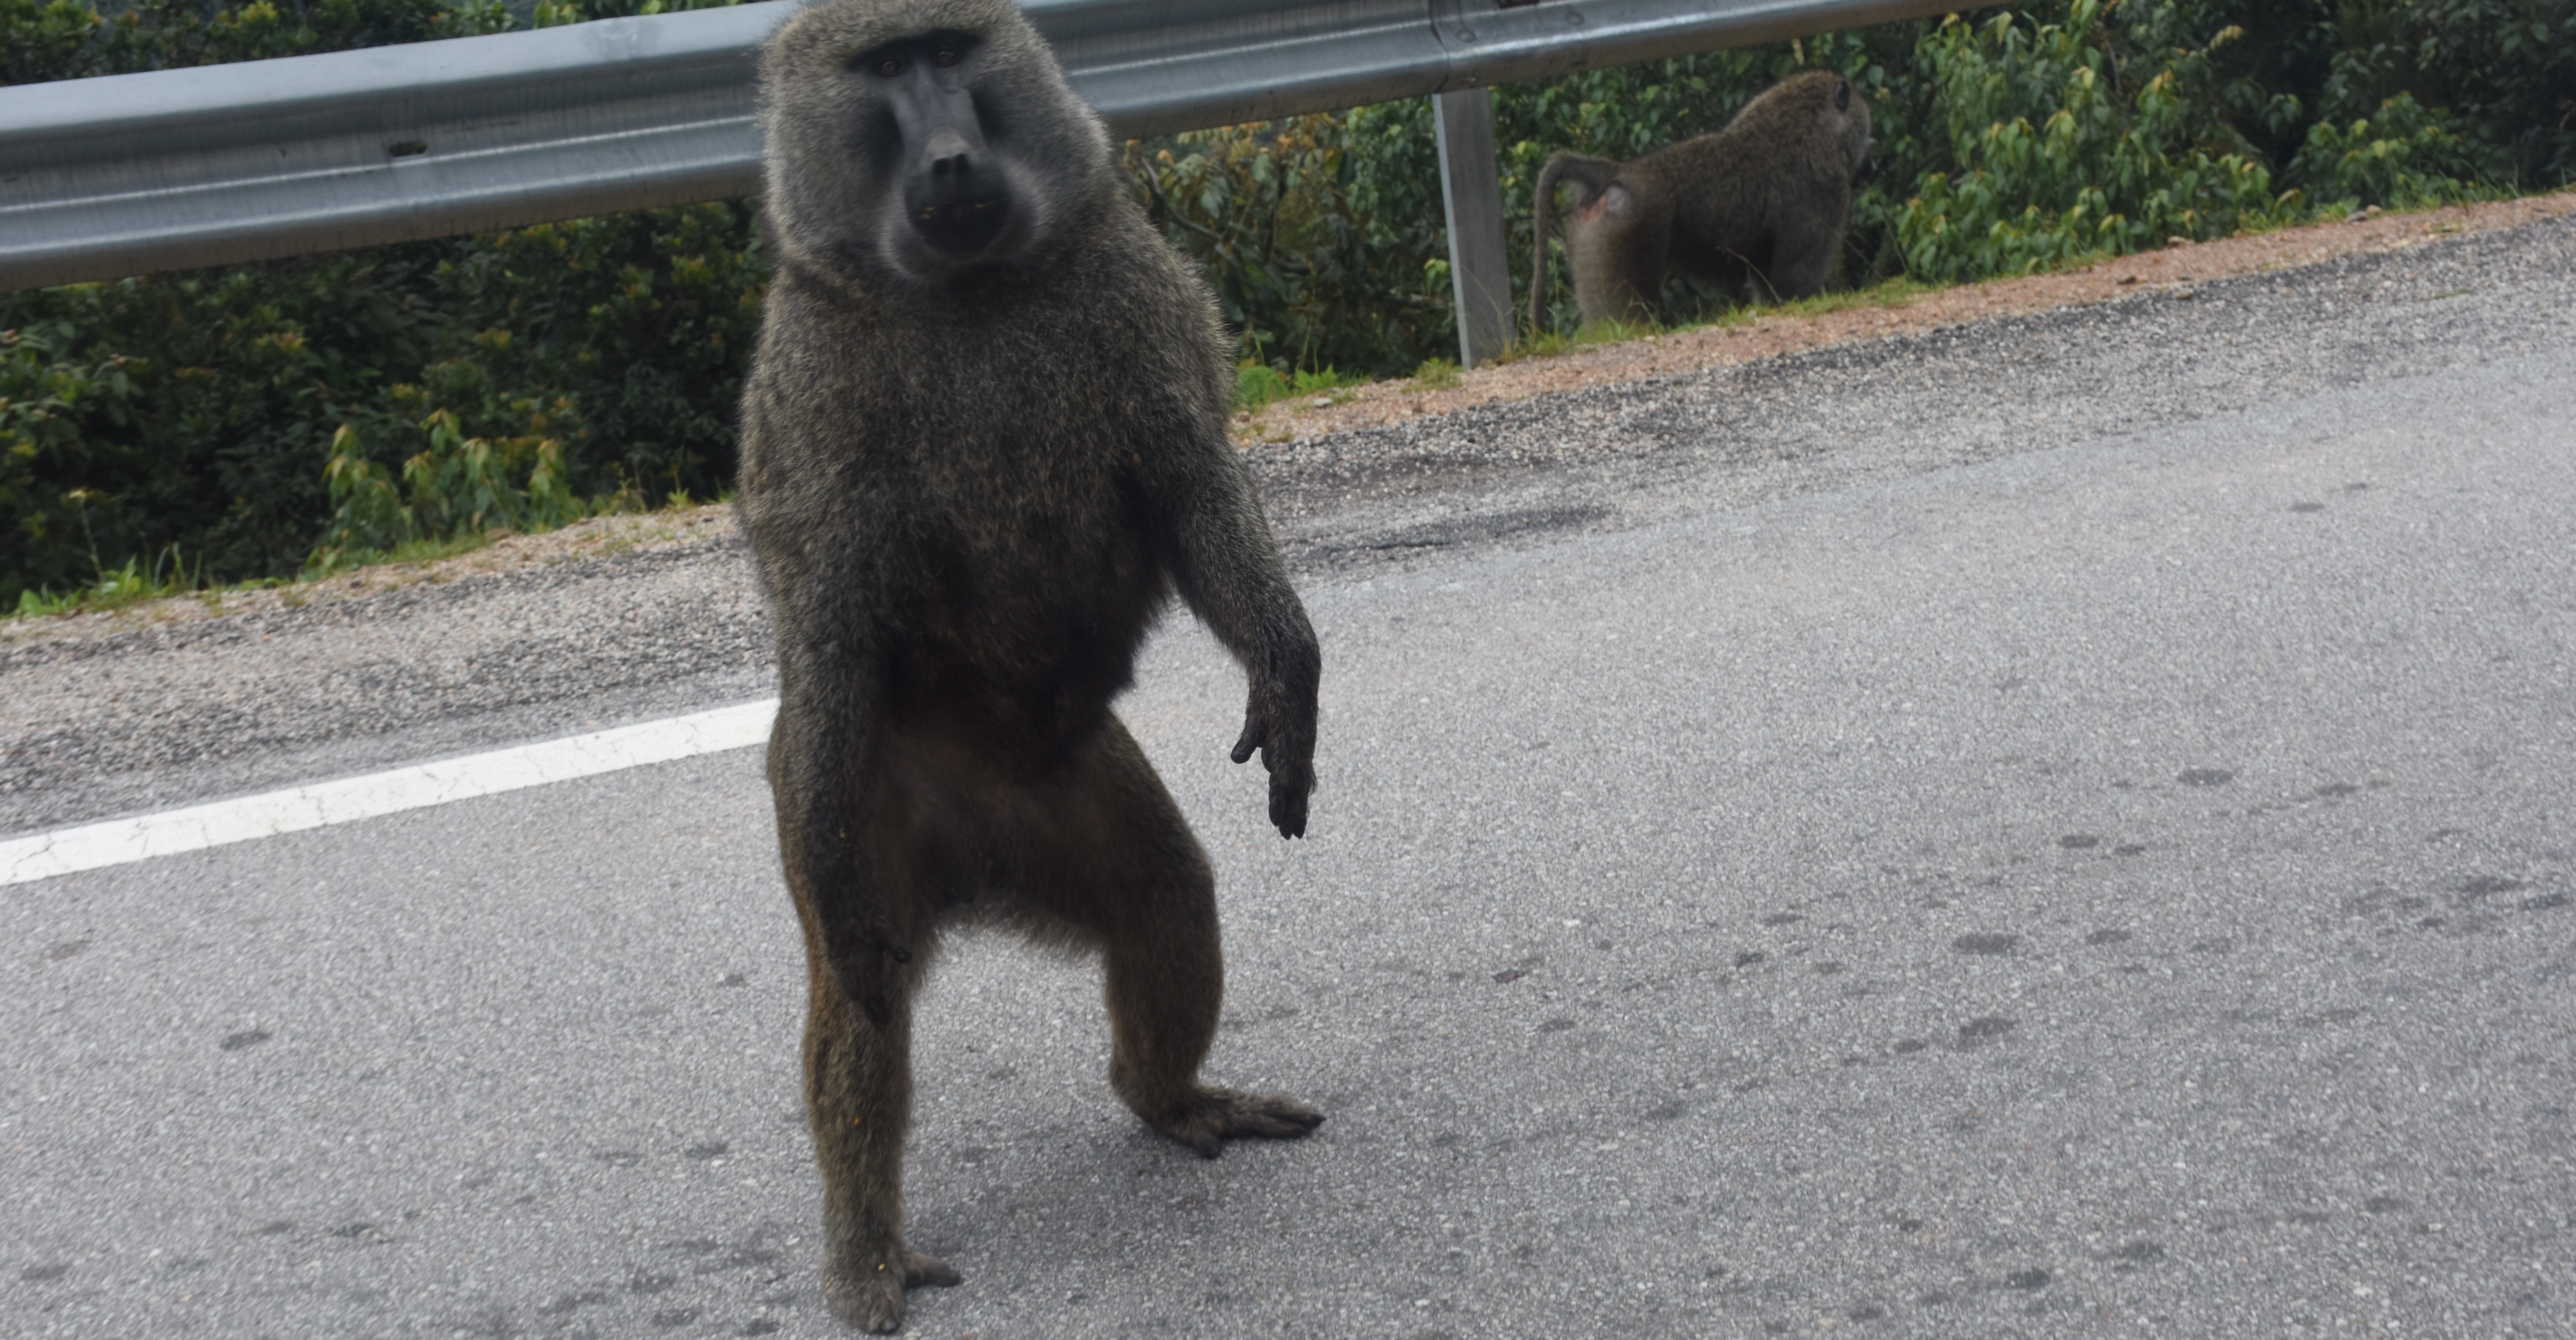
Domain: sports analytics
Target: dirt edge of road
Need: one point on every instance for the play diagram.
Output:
(595, 540)
(1771, 336)
(1304, 419)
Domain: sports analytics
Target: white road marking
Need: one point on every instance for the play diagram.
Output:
(200, 826)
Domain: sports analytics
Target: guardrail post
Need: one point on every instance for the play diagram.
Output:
(1471, 191)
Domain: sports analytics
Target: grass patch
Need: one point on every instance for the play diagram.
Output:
(1437, 374)
(168, 574)
(1549, 343)
(138, 583)
(417, 552)
(1894, 292)
(1257, 385)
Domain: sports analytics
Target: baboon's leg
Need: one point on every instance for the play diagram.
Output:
(1802, 266)
(1115, 859)
(858, 1073)
(858, 1091)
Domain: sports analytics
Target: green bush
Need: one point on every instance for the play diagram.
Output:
(1324, 236)
(191, 410)
(2402, 156)
(262, 419)
(203, 412)
(66, 39)
(2500, 74)
(2060, 145)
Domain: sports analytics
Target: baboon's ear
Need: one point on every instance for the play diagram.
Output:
(1842, 95)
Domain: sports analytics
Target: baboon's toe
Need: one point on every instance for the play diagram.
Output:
(1270, 1116)
(921, 1268)
(1210, 1117)
(873, 1302)
(870, 1296)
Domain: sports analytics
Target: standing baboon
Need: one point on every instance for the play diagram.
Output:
(983, 445)
(1757, 207)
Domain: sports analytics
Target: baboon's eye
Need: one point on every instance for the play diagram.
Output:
(890, 66)
(945, 56)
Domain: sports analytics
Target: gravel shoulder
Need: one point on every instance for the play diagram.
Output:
(636, 617)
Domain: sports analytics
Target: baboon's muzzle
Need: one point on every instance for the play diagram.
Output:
(957, 203)
(953, 190)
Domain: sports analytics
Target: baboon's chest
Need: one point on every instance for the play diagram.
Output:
(1032, 591)
(1029, 526)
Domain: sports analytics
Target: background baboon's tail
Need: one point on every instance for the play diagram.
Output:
(1591, 174)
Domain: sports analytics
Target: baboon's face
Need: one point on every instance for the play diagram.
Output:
(958, 196)
(1854, 105)
(910, 143)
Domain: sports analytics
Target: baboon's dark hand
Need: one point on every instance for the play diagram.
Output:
(1286, 738)
(1288, 792)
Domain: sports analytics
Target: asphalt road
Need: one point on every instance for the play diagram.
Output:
(2118, 881)
(92, 726)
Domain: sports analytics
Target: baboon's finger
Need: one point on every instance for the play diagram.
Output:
(1288, 793)
(1256, 733)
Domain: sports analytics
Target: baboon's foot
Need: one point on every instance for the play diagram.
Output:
(1209, 1117)
(871, 1297)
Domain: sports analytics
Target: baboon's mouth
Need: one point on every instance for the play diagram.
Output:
(961, 229)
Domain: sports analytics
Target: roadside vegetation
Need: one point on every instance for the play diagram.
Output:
(258, 424)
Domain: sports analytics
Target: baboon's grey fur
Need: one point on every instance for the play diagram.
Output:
(983, 446)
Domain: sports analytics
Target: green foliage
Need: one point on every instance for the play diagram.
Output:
(64, 39)
(67, 39)
(597, 361)
(2065, 150)
(619, 340)
(2502, 73)
(38, 40)
(457, 485)
(624, 336)
(2403, 156)
(2023, 138)
(167, 574)
(1258, 384)
(404, 399)
(1267, 212)
(190, 410)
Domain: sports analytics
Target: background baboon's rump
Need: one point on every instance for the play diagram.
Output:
(1757, 208)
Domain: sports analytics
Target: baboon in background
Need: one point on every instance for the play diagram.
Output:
(983, 445)
(1757, 207)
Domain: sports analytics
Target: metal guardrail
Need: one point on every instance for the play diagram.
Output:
(126, 174)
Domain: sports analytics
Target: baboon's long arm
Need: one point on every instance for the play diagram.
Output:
(1226, 566)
